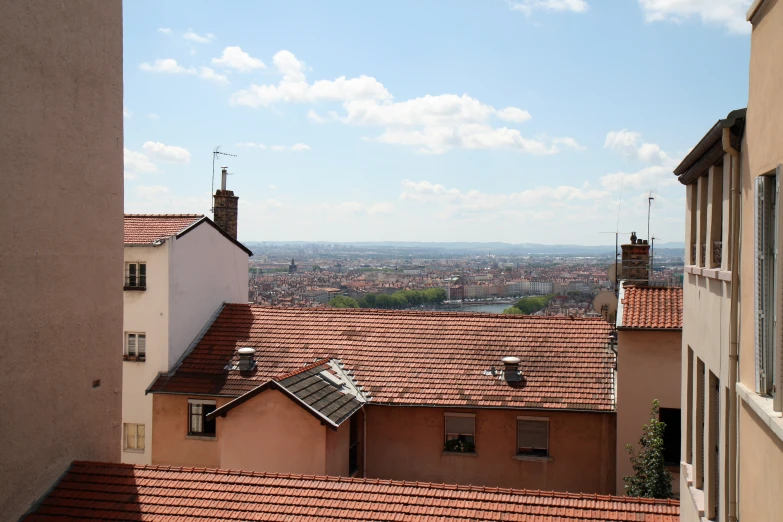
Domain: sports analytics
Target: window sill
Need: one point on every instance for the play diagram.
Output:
(459, 453)
(134, 288)
(532, 458)
(697, 495)
(132, 358)
(128, 450)
(200, 437)
(710, 273)
(762, 407)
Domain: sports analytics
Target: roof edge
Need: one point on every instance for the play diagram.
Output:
(707, 141)
(754, 8)
(225, 234)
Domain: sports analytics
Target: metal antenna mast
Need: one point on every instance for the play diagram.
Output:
(650, 199)
(215, 154)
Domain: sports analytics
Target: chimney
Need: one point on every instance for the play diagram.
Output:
(635, 261)
(511, 369)
(247, 361)
(225, 207)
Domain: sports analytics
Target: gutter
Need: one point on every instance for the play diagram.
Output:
(733, 322)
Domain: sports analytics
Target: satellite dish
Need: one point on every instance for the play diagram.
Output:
(605, 303)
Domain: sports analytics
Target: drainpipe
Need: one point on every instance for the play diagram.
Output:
(733, 323)
(364, 442)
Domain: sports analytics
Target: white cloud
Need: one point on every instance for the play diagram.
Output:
(569, 143)
(727, 13)
(166, 66)
(300, 147)
(164, 30)
(195, 37)
(126, 113)
(170, 153)
(627, 144)
(137, 163)
(152, 192)
(235, 58)
(528, 6)
(152, 116)
(209, 74)
(654, 177)
(277, 148)
(251, 144)
(313, 116)
(272, 187)
(513, 114)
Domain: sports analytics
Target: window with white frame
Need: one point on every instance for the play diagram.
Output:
(135, 345)
(460, 432)
(766, 223)
(533, 436)
(134, 437)
(135, 275)
(198, 424)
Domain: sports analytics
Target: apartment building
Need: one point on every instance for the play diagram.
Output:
(511, 401)
(732, 446)
(61, 140)
(179, 269)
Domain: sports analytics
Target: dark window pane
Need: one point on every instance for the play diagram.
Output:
(209, 425)
(671, 434)
(142, 274)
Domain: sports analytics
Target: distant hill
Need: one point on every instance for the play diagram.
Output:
(478, 247)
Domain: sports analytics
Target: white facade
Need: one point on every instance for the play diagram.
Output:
(188, 279)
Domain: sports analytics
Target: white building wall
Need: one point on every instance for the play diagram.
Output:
(145, 311)
(206, 270)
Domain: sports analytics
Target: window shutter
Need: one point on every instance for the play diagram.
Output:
(762, 280)
(141, 344)
(460, 425)
(532, 434)
(132, 344)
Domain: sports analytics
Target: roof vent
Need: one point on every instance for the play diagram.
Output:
(247, 361)
(511, 369)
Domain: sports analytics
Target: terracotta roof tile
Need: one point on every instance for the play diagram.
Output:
(144, 229)
(91, 490)
(409, 358)
(651, 307)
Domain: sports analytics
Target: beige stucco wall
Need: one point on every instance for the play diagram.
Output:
(649, 367)
(272, 433)
(406, 443)
(337, 445)
(760, 469)
(170, 441)
(61, 140)
(145, 311)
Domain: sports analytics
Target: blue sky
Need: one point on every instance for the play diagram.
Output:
(460, 120)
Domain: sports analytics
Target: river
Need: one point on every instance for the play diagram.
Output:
(490, 308)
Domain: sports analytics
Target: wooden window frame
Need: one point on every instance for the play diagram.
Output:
(459, 436)
(193, 404)
(135, 356)
(125, 440)
(533, 452)
(136, 281)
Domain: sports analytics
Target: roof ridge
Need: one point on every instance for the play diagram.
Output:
(377, 481)
(316, 364)
(165, 215)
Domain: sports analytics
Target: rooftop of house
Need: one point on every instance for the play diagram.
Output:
(145, 229)
(323, 389)
(91, 490)
(408, 357)
(650, 308)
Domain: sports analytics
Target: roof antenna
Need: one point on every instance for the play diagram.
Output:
(650, 199)
(215, 154)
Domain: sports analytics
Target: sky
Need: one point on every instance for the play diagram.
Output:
(522, 121)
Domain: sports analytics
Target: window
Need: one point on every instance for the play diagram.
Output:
(765, 220)
(136, 275)
(134, 437)
(533, 436)
(135, 346)
(460, 432)
(671, 434)
(197, 414)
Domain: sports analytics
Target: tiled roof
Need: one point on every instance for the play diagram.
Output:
(144, 229)
(651, 307)
(409, 358)
(90, 491)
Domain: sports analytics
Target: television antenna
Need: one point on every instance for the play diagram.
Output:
(215, 154)
(616, 254)
(650, 199)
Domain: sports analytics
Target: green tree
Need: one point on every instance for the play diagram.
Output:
(343, 301)
(531, 305)
(367, 301)
(512, 310)
(651, 479)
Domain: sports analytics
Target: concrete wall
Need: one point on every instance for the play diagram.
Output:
(61, 141)
(337, 445)
(171, 444)
(760, 469)
(206, 270)
(148, 312)
(272, 433)
(649, 367)
(406, 443)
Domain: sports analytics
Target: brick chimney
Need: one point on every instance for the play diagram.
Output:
(226, 207)
(635, 261)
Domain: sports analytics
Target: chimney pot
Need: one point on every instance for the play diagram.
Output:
(511, 369)
(247, 360)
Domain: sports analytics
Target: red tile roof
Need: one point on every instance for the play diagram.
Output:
(90, 491)
(409, 358)
(651, 307)
(144, 229)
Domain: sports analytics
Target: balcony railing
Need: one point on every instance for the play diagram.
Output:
(703, 254)
(717, 252)
(693, 254)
